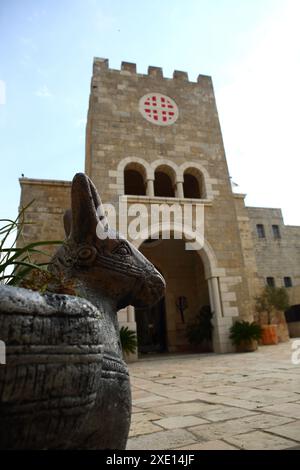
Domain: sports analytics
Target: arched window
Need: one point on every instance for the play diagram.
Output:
(191, 186)
(134, 182)
(163, 185)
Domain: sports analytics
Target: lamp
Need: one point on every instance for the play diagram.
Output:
(182, 304)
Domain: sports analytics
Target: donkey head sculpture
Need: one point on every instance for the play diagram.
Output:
(111, 273)
(85, 399)
(103, 263)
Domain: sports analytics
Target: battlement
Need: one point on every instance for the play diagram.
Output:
(129, 68)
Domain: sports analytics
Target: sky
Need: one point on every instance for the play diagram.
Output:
(251, 48)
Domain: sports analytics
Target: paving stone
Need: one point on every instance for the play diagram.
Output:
(259, 440)
(136, 409)
(152, 405)
(146, 399)
(263, 421)
(223, 413)
(189, 408)
(215, 398)
(247, 405)
(286, 409)
(163, 440)
(291, 430)
(266, 396)
(210, 445)
(142, 427)
(137, 394)
(182, 395)
(238, 395)
(212, 431)
(180, 422)
(237, 426)
(145, 416)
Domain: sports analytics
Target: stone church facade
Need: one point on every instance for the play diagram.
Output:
(151, 142)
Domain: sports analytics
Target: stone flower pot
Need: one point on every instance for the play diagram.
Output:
(52, 390)
(247, 346)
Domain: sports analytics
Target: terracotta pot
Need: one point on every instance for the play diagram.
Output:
(247, 346)
(269, 334)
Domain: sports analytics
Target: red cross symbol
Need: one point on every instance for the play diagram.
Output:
(159, 109)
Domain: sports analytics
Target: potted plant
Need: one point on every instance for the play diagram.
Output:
(245, 335)
(270, 305)
(199, 332)
(17, 263)
(128, 342)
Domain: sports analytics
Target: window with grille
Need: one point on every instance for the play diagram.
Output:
(260, 231)
(287, 281)
(270, 281)
(276, 231)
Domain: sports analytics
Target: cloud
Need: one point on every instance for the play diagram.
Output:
(43, 92)
(259, 110)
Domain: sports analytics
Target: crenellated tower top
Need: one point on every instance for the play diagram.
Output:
(129, 68)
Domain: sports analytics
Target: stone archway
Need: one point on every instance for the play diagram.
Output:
(213, 274)
(185, 277)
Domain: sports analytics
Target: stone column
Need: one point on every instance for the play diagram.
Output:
(179, 189)
(150, 188)
(221, 341)
(211, 297)
(216, 294)
(130, 314)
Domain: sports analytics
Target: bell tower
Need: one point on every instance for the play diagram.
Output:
(151, 140)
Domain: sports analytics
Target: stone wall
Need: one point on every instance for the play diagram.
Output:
(277, 258)
(235, 262)
(118, 135)
(49, 200)
(251, 274)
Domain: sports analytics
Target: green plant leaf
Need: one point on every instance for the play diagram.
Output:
(128, 340)
(245, 331)
(27, 248)
(19, 259)
(201, 328)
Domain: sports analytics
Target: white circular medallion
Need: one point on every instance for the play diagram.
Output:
(158, 109)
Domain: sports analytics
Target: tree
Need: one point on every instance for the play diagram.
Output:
(272, 299)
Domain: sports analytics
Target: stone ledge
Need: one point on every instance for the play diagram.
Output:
(44, 182)
(165, 200)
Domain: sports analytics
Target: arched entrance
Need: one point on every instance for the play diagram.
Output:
(164, 327)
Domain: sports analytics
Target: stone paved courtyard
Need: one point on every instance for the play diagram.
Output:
(207, 402)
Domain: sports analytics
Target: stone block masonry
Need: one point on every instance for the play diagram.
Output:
(151, 124)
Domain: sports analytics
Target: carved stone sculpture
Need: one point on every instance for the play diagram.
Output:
(65, 384)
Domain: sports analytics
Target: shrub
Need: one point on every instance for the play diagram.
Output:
(16, 264)
(272, 299)
(201, 328)
(244, 331)
(128, 340)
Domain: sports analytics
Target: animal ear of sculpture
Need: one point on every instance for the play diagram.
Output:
(87, 212)
(68, 222)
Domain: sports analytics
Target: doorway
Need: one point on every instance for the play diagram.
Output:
(151, 328)
(164, 327)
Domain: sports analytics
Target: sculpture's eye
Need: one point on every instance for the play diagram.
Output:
(122, 250)
(86, 254)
